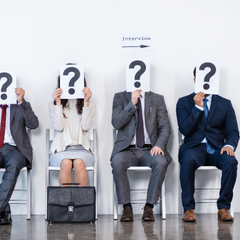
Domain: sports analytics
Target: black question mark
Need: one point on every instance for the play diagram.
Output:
(73, 79)
(6, 84)
(139, 73)
(206, 86)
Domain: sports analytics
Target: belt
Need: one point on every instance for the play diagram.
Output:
(144, 146)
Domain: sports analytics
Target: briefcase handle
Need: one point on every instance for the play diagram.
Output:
(75, 184)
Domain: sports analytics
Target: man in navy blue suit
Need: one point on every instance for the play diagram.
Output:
(209, 125)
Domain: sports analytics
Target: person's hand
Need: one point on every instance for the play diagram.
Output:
(156, 151)
(87, 94)
(57, 95)
(20, 94)
(228, 150)
(198, 99)
(135, 96)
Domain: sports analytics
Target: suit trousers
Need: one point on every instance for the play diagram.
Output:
(13, 161)
(138, 157)
(197, 156)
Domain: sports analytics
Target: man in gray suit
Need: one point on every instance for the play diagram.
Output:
(143, 132)
(15, 147)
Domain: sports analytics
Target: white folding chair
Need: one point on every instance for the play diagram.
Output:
(204, 168)
(137, 169)
(27, 200)
(93, 169)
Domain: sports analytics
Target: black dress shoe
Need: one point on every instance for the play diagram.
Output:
(127, 215)
(148, 214)
(5, 218)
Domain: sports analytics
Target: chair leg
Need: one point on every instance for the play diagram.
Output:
(29, 197)
(95, 184)
(115, 203)
(163, 201)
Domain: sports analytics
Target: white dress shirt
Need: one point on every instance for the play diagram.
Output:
(7, 135)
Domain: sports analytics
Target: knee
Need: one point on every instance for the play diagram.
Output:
(188, 163)
(118, 164)
(78, 164)
(230, 163)
(159, 162)
(66, 165)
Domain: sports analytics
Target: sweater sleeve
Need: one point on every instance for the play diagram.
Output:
(56, 116)
(88, 116)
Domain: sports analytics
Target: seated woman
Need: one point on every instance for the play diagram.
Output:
(71, 118)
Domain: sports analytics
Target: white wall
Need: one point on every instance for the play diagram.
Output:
(39, 36)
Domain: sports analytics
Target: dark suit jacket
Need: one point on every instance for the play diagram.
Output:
(124, 119)
(22, 116)
(221, 127)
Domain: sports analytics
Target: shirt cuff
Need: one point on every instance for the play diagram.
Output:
(229, 146)
(200, 108)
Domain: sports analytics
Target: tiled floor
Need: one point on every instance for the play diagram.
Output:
(105, 228)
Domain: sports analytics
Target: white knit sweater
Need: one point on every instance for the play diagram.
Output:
(72, 129)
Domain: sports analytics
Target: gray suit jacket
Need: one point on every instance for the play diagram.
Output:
(22, 116)
(124, 119)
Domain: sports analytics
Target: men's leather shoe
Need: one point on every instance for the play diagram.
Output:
(127, 215)
(5, 218)
(189, 216)
(224, 215)
(148, 214)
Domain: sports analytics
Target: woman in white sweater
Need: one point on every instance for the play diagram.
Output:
(71, 119)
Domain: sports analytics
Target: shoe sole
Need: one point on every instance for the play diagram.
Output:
(126, 220)
(148, 220)
(225, 220)
(190, 220)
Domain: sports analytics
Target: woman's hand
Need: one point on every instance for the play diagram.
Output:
(87, 96)
(56, 95)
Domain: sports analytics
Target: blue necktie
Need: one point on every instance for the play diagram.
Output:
(209, 146)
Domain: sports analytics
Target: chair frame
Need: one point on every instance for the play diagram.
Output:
(28, 200)
(204, 168)
(137, 169)
(48, 169)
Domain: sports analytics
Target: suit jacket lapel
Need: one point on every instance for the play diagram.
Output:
(147, 104)
(13, 108)
(213, 107)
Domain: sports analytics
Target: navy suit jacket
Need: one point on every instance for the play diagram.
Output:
(221, 127)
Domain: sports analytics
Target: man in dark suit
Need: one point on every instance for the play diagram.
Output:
(15, 147)
(143, 132)
(209, 125)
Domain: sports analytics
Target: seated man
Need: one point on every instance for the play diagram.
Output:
(15, 147)
(209, 125)
(143, 132)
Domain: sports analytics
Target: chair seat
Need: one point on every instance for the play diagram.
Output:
(58, 168)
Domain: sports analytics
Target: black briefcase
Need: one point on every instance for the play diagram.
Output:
(71, 204)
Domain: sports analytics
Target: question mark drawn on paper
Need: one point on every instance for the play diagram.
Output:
(206, 86)
(73, 79)
(6, 84)
(140, 72)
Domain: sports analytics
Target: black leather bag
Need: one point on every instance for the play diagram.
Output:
(71, 204)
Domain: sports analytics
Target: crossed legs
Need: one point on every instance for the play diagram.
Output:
(13, 161)
(79, 169)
